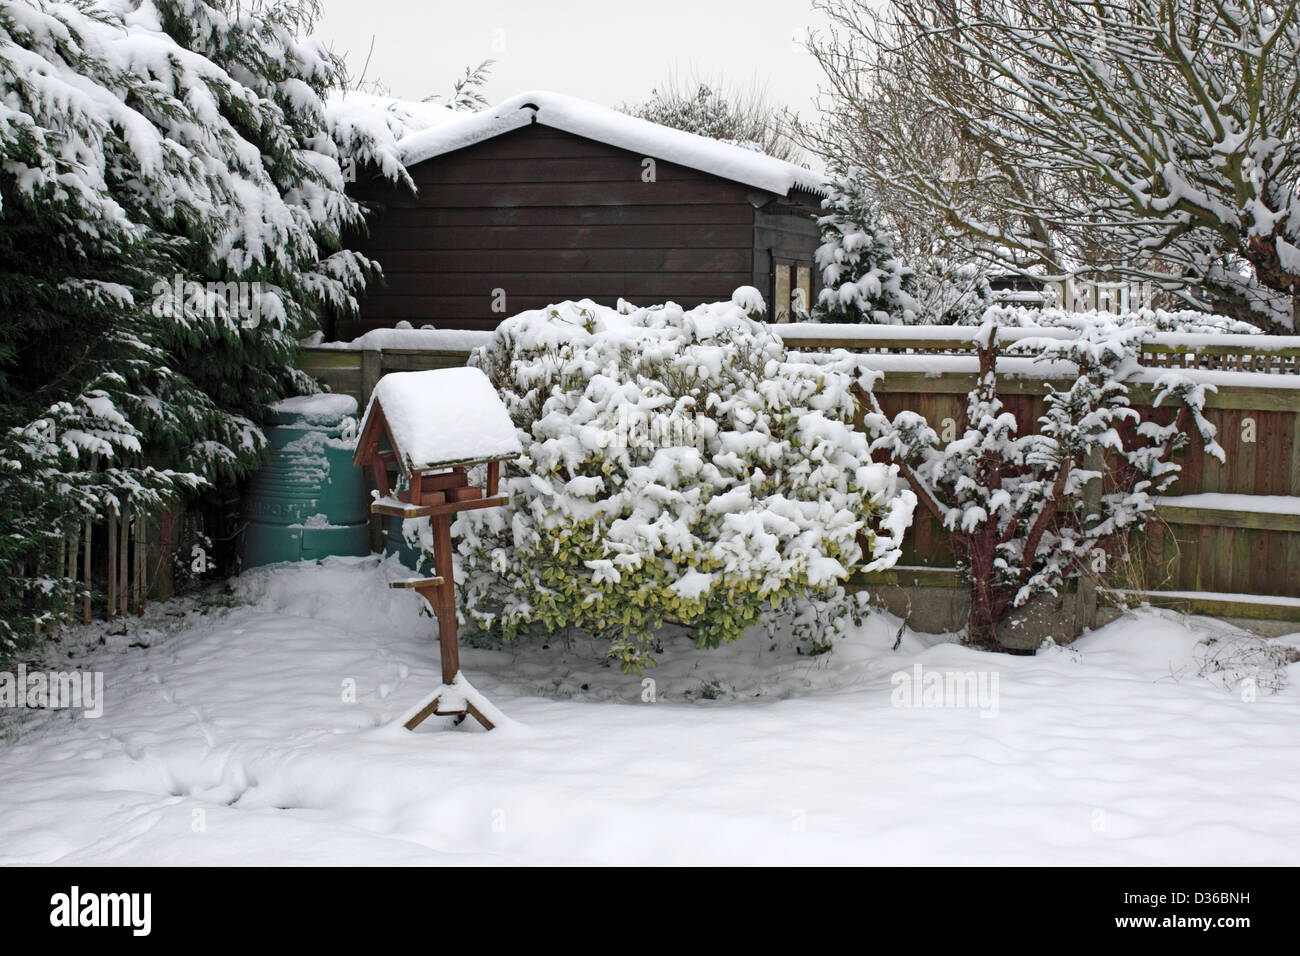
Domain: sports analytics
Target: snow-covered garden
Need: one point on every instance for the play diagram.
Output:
(258, 727)
(906, 580)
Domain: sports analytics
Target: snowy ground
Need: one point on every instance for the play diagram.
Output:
(227, 740)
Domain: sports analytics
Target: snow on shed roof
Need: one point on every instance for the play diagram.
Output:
(606, 125)
(444, 417)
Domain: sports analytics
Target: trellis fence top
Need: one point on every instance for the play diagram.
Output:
(1277, 354)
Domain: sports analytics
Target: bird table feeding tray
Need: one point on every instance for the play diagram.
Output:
(420, 434)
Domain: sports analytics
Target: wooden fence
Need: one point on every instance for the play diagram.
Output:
(107, 568)
(355, 371)
(115, 566)
(1227, 543)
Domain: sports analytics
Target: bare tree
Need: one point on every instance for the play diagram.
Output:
(709, 107)
(1150, 139)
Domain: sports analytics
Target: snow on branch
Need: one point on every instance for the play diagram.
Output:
(1026, 511)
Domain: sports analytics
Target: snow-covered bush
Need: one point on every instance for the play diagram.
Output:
(679, 466)
(951, 293)
(864, 279)
(1025, 512)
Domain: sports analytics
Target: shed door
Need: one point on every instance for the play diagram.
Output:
(791, 289)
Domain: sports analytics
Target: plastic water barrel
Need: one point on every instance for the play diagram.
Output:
(308, 501)
(411, 556)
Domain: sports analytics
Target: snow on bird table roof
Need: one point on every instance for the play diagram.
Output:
(605, 125)
(444, 417)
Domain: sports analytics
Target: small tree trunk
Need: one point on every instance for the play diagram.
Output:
(982, 623)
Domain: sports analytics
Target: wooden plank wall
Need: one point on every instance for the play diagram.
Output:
(355, 371)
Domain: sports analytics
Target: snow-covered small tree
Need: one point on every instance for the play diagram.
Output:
(864, 279)
(679, 466)
(949, 292)
(1026, 511)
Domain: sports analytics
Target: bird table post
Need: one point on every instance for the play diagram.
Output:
(430, 427)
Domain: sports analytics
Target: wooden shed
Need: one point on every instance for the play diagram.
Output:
(546, 198)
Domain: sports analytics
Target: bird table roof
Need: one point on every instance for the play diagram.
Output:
(439, 419)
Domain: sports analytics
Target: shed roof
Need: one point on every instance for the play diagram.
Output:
(605, 125)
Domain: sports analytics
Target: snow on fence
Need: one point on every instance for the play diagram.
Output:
(355, 367)
(1227, 544)
(1267, 354)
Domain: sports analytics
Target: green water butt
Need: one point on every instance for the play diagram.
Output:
(394, 543)
(309, 501)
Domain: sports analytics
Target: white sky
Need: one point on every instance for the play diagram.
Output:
(608, 52)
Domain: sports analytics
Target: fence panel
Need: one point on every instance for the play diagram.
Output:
(1228, 542)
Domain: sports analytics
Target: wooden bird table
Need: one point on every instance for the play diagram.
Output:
(437, 488)
(440, 590)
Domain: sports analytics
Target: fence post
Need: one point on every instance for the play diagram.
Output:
(111, 550)
(61, 566)
(141, 537)
(122, 554)
(74, 546)
(85, 572)
(371, 370)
